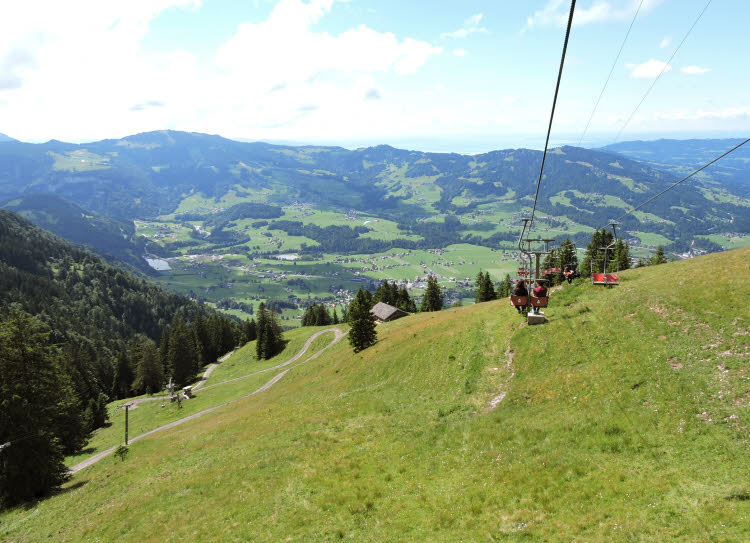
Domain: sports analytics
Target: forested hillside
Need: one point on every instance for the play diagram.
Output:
(75, 332)
(111, 238)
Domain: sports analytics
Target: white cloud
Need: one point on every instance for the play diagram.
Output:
(555, 12)
(470, 26)
(666, 40)
(459, 52)
(694, 70)
(649, 69)
(77, 71)
(728, 113)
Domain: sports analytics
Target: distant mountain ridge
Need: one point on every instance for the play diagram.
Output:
(5, 138)
(149, 174)
(112, 238)
(683, 156)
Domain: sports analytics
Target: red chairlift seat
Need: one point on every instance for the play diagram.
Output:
(605, 279)
(539, 302)
(519, 301)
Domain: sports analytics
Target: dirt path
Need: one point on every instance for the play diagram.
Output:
(338, 336)
(199, 384)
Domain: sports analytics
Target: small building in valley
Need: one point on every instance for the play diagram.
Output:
(385, 313)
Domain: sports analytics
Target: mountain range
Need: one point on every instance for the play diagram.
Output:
(149, 175)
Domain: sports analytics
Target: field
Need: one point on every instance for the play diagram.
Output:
(624, 418)
(250, 272)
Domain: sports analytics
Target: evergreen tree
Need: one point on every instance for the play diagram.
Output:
(182, 355)
(368, 299)
(203, 339)
(41, 419)
(621, 260)
(261, 331)
(593, 258)
(406, 302)
(149, 376)
(362, 333)
(485, 290)
(659, 256)
(433, 296)
(167, 371)
(489, 288)
(123, 377)
(270, 338)
(250, 332)
(506, 287)
(335, 316)
(566, 254)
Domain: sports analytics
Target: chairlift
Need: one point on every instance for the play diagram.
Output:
(531, 273)
(607, 279)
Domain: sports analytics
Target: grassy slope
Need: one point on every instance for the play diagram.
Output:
(624, 420)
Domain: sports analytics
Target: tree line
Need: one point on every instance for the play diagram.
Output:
(76, 333)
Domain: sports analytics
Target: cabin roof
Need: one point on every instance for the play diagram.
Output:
(385, 312)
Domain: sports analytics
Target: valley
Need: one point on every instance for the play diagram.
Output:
(235, 224)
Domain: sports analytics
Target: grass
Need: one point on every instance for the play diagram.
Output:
(624, 419)
(151, 414)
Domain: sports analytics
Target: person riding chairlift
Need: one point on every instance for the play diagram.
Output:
(540, 291)
(520, 290)
(568, 274)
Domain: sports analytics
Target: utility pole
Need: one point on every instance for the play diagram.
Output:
(127, 407)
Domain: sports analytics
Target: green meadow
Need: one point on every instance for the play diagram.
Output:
(623, 418)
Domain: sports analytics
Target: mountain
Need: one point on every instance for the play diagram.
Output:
(111, 238)
(152, 174)
(4, 138)
(90, 308)
(623, 418)
(683, 156)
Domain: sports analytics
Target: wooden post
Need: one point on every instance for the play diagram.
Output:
(126, 423)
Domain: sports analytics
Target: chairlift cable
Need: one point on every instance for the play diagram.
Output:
(663, 69)
(682, 180)
(622, 45)
(554, 103)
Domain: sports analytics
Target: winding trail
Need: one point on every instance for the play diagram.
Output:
(198, 385)
(338, 337)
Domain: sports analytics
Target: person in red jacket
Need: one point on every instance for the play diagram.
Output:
(540, 291)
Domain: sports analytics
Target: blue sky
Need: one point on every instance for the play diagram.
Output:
(466, 76)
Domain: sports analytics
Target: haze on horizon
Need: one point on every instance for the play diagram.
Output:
(468, 77)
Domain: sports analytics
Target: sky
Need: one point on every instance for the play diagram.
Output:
(438, 75)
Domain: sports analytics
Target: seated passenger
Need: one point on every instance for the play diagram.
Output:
(540, 291)
(520, 290)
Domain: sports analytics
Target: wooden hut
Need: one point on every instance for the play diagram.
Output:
(384, 312)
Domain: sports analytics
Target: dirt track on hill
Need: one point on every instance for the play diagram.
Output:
(338, 336)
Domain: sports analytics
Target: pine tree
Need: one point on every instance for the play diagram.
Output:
(659, 256)
(335, 316)
(261, 331)
(506, 287)
(182, 355)
(621, 260)
(479, 291)
(362, 333)
(489, 288)
(406, 302)
(149, 376)
(40, 418)
(566, 254)
(250, 331)
(433, 296)
(123, 377)
(167, 371)
(593, 258)
(270, 337)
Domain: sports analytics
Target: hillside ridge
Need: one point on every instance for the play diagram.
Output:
(626, 417)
